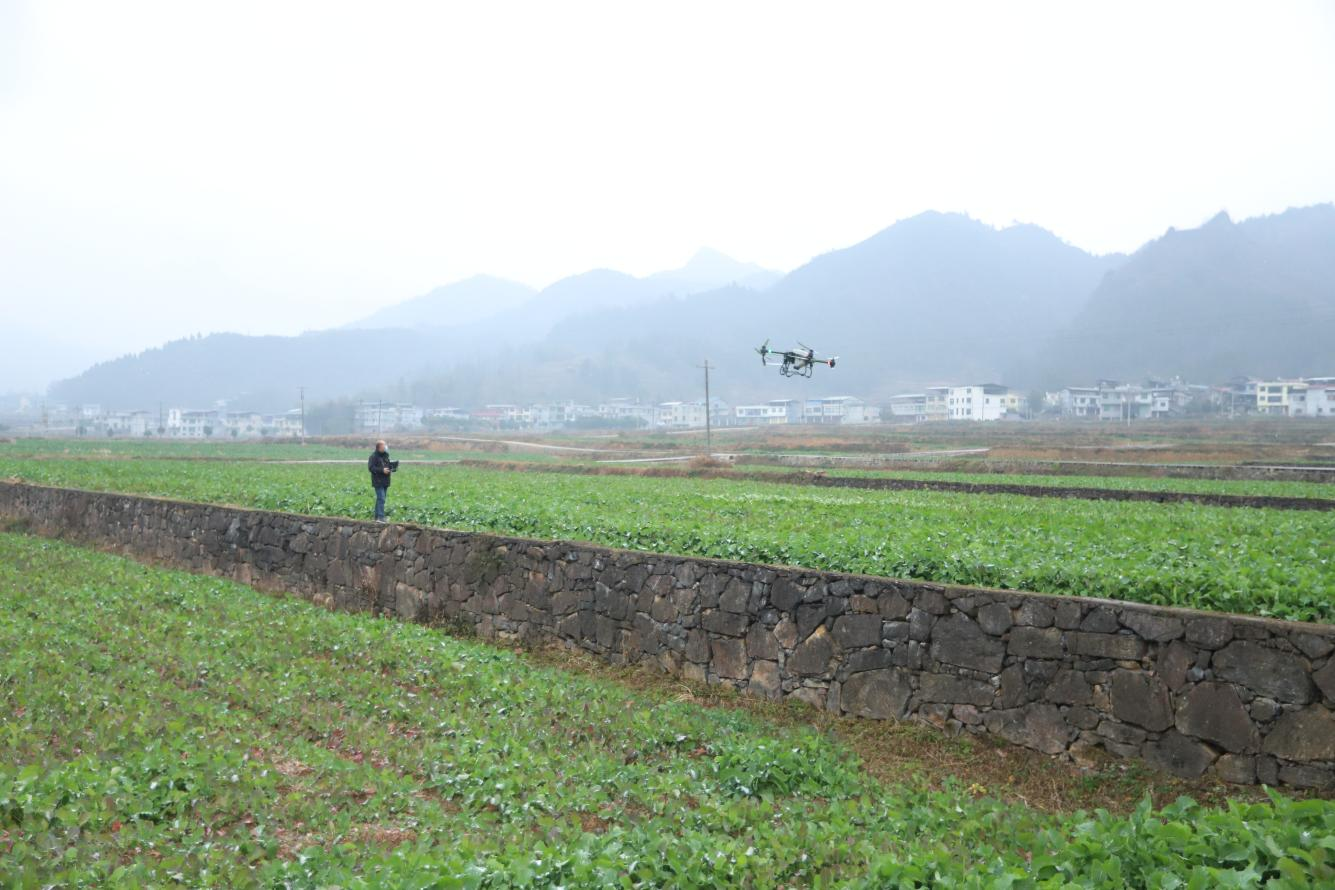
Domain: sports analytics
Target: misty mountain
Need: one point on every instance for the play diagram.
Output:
(454, 325)
(935, 297)
(517, 311)
(463, 302)
(1254, 298)
(708, 270)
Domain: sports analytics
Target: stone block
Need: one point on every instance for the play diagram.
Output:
(1209, 633)
(1037, 726)
(1214, 713)
(1305, 735)
(854, 631)
(995, 619)
(734, 596)
(765, 679)
(878, 694)
(1264, 709)
(967, 714)
(1100, 620)
(1069, 688)
(809, 617)
(730, 624)
(1325, 680)
(1066, 614)
(728, 658)
(785, 632)
(812, 657)
(1121, 733)
(1175, 753)
(920, 625)
(1279, 675)
(892, 605)
(1239, 769)
(1141, 699)
(1035, 642)
(760, 643)
(867, 660)
(1011, 691)
(1173, 663)
(1306, 775)
(955, 690)
(1313, 645)
(697, 646)
(958, 640)
(1082, 717)
(1034, 613)
(932, 601)
(1152, 627)
(1119, 646)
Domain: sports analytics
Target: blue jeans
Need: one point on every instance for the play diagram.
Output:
(380, 502)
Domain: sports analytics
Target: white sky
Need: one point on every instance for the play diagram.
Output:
(171, 168)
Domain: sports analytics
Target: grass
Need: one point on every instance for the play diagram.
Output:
(170, 729)
(1265, 562)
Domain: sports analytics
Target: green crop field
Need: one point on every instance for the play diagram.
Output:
(1267, 562)
(166, 729)
(93, 448)
(1268, 488)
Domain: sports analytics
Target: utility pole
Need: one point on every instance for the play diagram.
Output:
(709, 429)
(162, 428)
(302, 391)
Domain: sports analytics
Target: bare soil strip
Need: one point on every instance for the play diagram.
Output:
(820, 480)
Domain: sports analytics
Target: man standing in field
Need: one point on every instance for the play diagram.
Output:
(380, 468)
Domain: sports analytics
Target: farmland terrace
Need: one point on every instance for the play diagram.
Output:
(165, 728)
(1266, 562)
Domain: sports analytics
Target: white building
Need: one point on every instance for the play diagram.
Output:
(773, 412)
(1079, 401)
(981, 401)
(629, 409)
(909, 406)
(680, 415)
(384, 417)
(835, 409)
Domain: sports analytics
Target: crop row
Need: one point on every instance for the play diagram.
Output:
(1266, 562)
(1268, 488)
(163, 728)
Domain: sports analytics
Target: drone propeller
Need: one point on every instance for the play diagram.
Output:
(763, 349)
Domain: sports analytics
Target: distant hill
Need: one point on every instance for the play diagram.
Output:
(708, 270)
(938, 296)
(1225, 299)
(463, 302)
(462, 323)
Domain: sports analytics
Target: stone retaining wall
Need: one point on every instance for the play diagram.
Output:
(1248, 699)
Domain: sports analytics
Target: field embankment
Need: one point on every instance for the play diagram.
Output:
(164, 728)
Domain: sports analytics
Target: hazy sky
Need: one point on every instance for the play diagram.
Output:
(170, 168)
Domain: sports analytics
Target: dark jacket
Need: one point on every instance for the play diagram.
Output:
(377, 465)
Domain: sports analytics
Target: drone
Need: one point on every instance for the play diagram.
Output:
(794, 362)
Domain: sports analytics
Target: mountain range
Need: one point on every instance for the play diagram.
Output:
(937, 297)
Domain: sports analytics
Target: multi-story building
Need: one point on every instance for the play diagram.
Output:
(979, 401)
(680, 415)
(909, 406)
(1079, 401)
(835, 409)
(1277, 396)
(384, 417)
(937, 403)
(1319, 400)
